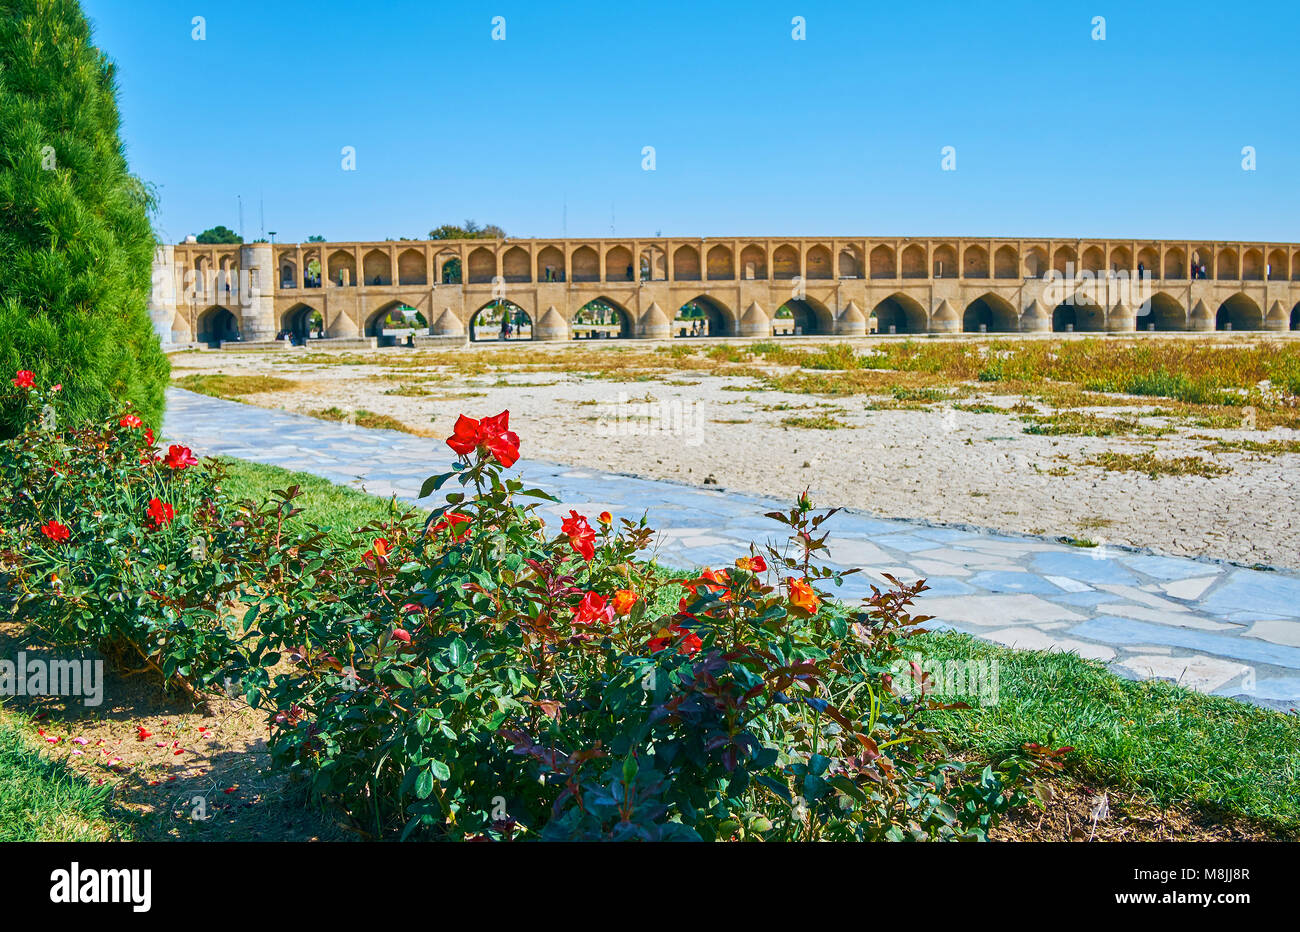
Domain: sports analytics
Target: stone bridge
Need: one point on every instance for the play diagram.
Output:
(566, 288)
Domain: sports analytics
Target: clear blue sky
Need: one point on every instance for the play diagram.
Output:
(755, 133)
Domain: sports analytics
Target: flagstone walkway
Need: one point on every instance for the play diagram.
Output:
(1211, 626)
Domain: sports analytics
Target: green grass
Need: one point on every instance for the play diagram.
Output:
(232, 386)
(41, 800)
(323, 503)
(1222, 756)
(1155, 466)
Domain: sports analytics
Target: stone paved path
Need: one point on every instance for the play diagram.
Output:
(1211, 626)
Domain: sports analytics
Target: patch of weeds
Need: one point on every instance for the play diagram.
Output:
(1154, 465)
(814, 422)
(219, 385)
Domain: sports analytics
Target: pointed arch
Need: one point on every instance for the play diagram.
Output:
(619, 265)
(849, 262)
(944, 262)
(1162, 313)
(1006, 262)
(975, 262)
(482, 264)
(1252, 265)
(901, 312)
(1078, 315)
(516, 266)
(653, 264)
(1277, 266)
(602, 318)
(706, 313)
(806, 317)
(720, 264)
(1239, 312)
(410, 268)
(550, 264)
(342, 268)
(1227, 268)
(686, 264)
(377, 268)
(301, 323)
(817, 263)
(1175, 264)
(586, 264)
(913, 261)
(883, 262)
(216, 325)
(500, 320)
(785, 262)
(990, 313)
(753, 263)
(1064, 260)
(1036, 262)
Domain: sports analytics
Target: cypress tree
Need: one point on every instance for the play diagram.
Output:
(76, 244)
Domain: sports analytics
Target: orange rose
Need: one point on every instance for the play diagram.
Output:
(802, 596)
(624, 599)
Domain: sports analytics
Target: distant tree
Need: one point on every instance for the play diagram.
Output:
(76, 246)
(315, 239)
(471, 230)
(218, 235)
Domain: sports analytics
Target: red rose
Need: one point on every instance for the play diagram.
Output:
(754, 564)
(179, 457)
(605, 518)
(457, 523)
(55, 531)
(148, 435)
(689, 641)
(401, 634)
(491, 434)
(130, 420)
(581, 535)
(593, 609)
(25, 379)
(160, 513)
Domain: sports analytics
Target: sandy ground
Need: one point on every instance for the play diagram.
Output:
(942, 464)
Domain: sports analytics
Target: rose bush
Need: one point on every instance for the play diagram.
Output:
(107, 543)
(476, 675)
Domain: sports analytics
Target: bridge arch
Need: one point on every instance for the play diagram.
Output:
(653, 264)
(900, 311)
(586, 265)
(516, 266)
(1006, 263)
(944, 262)
(753, 262)
(817, 263)
(1239, 312)
(807, 316)
(482, 264)
(1094, 260)
(485, 325)
(342, 268)
(550, 265)
(302, 322)
(1063, 258)
(990, 313)
(1148, 262)
(1164, 313)
(1078, 315)
(602, 318)
(849, 262)
(720, 264)
(447, 267)
(1252, 265)
(1295, 317)
(1036, 264)
(216, 324)
(619, 265)
(714, 318)
(1277, 265)
(686, 264)
(410, 268)
(785, 262)
(883, 263)
(1226, 268)
(913, 261)
(1121, 259)
(975, 262)
(392, 315)
(1175, 264)
(377, 268)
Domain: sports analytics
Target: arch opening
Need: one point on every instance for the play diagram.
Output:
(602, 319)
(393, 322)
(500, 321)
(301, 323)
(1239, 313)
(1078, 317)
(703, 316)
(802, 317)
(217, 325)
(898, 314)
(1162, 313)
(990, 313)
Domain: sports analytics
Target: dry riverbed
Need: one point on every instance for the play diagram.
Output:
(1105, 469)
